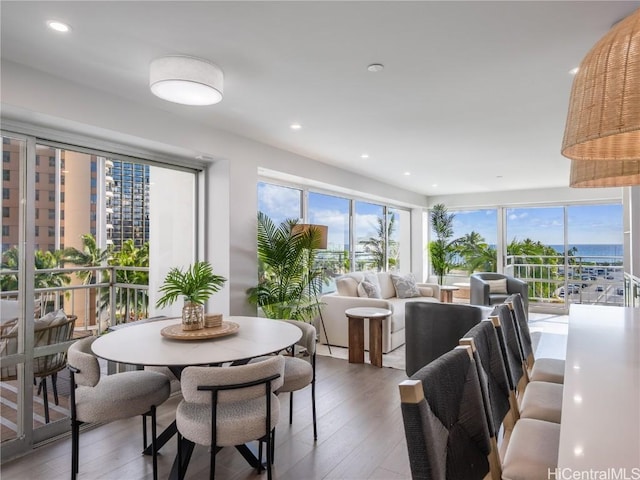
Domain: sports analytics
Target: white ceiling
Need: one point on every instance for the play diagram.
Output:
(470, 90)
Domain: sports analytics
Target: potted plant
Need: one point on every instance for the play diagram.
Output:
(289, 279)
(196, 284)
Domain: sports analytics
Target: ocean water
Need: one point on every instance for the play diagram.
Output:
(593, 250)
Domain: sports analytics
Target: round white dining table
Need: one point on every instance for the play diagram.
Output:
(144, 345)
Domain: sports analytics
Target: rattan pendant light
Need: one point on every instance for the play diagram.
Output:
(612, 173)
(603, 122)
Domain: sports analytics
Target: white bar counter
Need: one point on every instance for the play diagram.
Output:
(600, 429)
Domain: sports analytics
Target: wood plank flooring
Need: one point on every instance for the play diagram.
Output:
(360, 437)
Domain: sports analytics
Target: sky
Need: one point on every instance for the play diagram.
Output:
(587, 224)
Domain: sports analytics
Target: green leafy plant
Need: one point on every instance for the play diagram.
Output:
(196, 284)
(289, 278)
(442, 250)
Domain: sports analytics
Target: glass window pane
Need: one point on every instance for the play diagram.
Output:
(595, 242)
(370, 237)
(399, 231)
(279, 203)
(477, 231)
(334, 212)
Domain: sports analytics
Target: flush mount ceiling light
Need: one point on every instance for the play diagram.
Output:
(375, 67)
(603, 122)
(58, 26)
(186, 80)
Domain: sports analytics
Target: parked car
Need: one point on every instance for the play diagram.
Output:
(619, 291)
(599, 288)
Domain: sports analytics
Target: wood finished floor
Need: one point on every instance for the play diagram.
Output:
(360, 436)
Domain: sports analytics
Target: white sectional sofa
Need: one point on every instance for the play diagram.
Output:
(346, 296)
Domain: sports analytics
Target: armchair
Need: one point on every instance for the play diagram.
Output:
(488, 288)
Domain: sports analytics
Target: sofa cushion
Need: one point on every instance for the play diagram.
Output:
(497, 286)
(368, 290)
(387, 290)
(426, 291)
(405, 287)
(347, 286)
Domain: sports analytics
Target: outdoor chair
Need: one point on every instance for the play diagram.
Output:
(53, 328)
(229, 406)
(113, 397)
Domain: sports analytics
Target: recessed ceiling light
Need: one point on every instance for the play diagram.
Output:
(295, 126)
(407, 173)
(58, 26)
(375, 67)
(364, 155)
(574, 70)
(434, 185)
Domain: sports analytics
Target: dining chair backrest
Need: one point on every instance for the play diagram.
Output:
(444, 418)
(309, 335)
(193, 377)
(483, 339)
(522, 324)
(82, 358)
(509, 344)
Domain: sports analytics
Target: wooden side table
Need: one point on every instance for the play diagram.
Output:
(446, 293)
(356, 318)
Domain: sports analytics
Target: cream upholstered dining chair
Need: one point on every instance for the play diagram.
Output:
(448, 434)
(113, 397)
(538, 369)
(300, 372)
(229, 406)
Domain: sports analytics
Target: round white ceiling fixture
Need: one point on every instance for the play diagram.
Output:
(375, 67)
(58, 26)
(186, 80)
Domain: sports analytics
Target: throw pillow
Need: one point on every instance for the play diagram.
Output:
(368, 290)
(405, 286)
(347, 286)
(50, 319)
(497, 286)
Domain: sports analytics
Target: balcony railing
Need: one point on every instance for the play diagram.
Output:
(631, 290)
(564, 280)
(110, 299)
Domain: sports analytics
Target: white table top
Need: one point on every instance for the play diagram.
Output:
(143, 345)
(367, 312)
(600, 426)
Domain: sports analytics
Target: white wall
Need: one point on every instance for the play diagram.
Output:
(171, 239)
(45, 102)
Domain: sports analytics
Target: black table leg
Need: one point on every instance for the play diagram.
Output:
(186, 448)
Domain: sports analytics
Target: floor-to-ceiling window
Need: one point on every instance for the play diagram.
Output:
(60, 207)
(567, 254)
